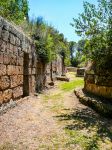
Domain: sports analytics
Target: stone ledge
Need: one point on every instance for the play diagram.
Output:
(63, 78)
(99, 104)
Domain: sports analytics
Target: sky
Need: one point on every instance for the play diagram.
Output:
(59, 14)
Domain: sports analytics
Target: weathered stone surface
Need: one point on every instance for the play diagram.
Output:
(1, 58)
(3, 46)
(89, 78)
(12, 39)
(99, 90)
(1, 97)
(17, 41)
(4, 82)
(80, 72)
(20, 61)
(15, 52)
(2, 69)
(62, 78)
(5, 35)
(19, 70)
(99, 104)
(103, 80)
(32, 71)
(20, 52)
(7, 95)
(16, 80)
(11, 70)
(71, 69)
(98, 81)
(17, 92)
(13, 59)
(6, 59)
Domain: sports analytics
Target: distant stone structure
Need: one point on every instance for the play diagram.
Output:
(80, 72)
(98, 81)
(71, 69)
(21, 73)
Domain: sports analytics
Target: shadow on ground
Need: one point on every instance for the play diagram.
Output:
(86, 119)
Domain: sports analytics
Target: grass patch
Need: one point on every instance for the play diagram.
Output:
(8, 146)
(52, 97)
(86, 142)
(72, 85)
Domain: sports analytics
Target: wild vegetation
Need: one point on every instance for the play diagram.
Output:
(95, 26)
(48, 41)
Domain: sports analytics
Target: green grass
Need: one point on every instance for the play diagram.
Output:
(52, 97)
(86, 142)
(68, 86)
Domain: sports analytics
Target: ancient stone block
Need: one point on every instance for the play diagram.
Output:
(11, 47)
(1, 22)
(13, 59)
(11, 70)
(2, 70)
(7, 95)
(1, 58)
(6, 25)
(15, 52)
(20, 52)
(90, 78)
(3, 46)
(6, 59)
(12, 39)
(4, 82)
(17, 41)
(5, 35)
(80, 72)
(16, 80)
(1, 97)
(19, 70)
(17, 92)
(20, 61)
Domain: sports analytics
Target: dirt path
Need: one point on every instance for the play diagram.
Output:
(54, 120)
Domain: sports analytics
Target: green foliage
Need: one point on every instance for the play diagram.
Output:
(79, 58)
(49, 43)
(14, 10)
(71, 85)
(95, 24)
(72, 47)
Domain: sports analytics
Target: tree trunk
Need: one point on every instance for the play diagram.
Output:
(63, 67)
(51, 71)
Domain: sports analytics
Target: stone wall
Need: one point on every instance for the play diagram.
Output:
(71, 69)
(40, 76)
(21, 74)
(99, 81)
(56, 69)
(17, 63)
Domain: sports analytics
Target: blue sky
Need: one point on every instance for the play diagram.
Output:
(59, 13)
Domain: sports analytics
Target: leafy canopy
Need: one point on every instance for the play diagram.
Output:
(14, 10)
(95, 25)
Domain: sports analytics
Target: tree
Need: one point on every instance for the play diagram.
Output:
(72, 47)
(95, 25)
(14, 10)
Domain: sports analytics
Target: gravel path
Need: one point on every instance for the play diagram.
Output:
(38, 123)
